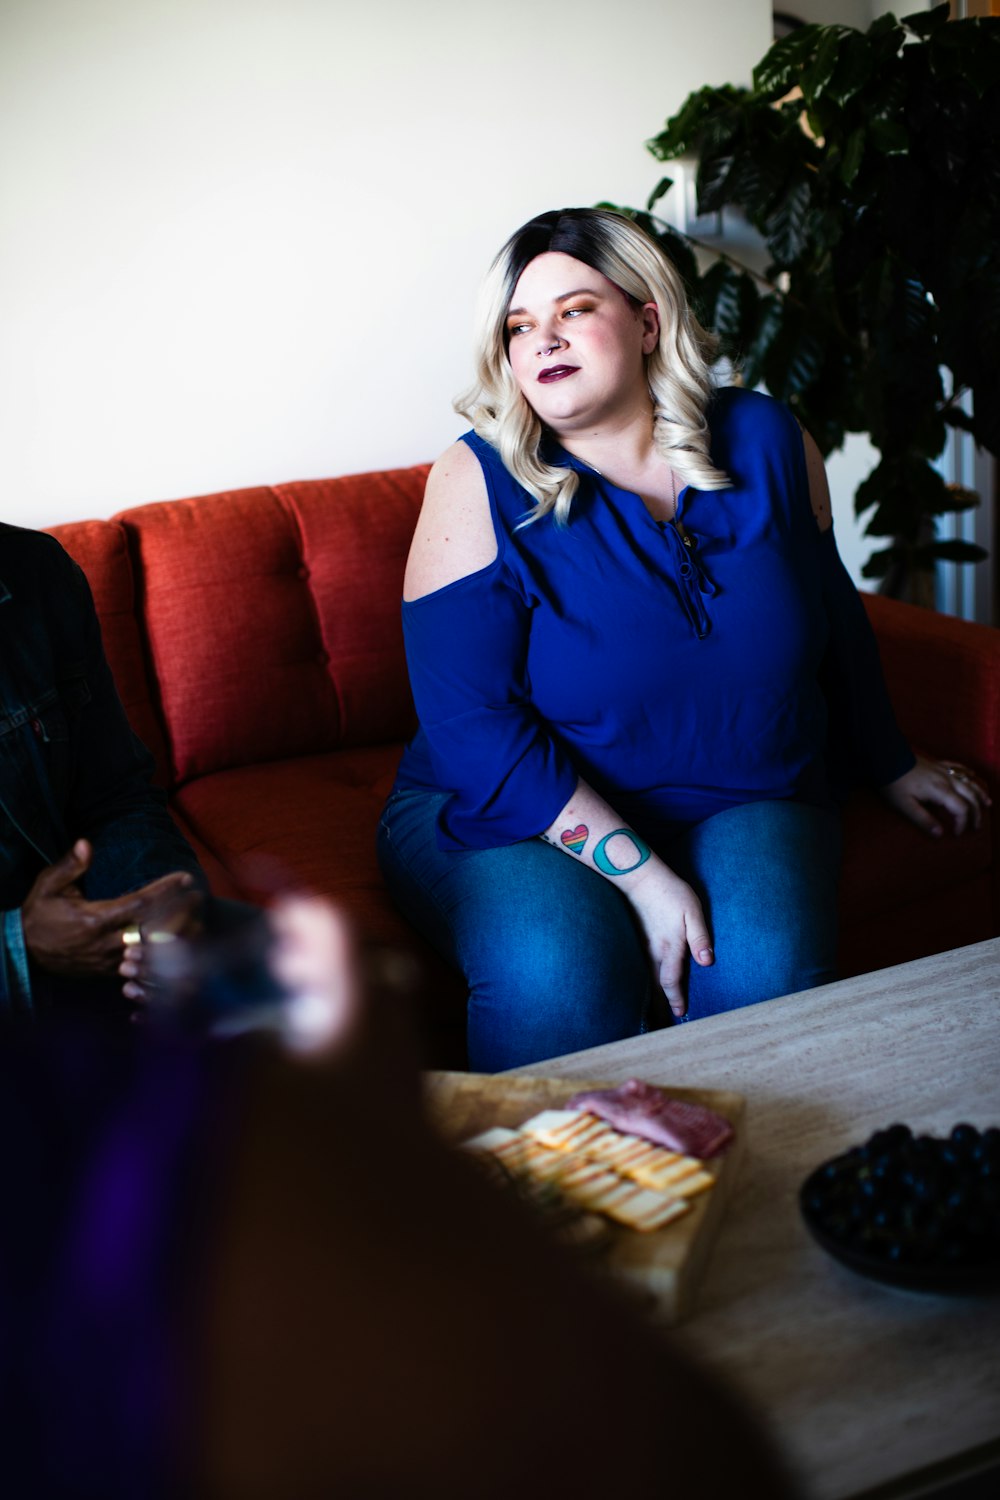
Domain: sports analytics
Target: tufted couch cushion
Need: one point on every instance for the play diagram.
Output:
(272, 617)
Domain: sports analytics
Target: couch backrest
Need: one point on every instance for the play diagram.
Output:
(101, 549)
(272, 616)
(943, 676)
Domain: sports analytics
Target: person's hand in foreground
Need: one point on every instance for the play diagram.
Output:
(942, 784)
(68, 935)
(313, 958)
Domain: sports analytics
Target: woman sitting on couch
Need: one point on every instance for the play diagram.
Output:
(642, 674)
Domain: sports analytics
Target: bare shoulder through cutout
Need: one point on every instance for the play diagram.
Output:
(455, 536)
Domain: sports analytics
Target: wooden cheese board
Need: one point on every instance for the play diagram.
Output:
(664, 1266)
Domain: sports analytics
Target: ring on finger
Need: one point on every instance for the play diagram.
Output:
(131, 935)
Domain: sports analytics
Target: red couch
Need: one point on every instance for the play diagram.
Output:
(256, 642)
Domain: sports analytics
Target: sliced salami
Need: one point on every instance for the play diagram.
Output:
(640, 1109)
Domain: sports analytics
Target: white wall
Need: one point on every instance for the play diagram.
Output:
(240, 239)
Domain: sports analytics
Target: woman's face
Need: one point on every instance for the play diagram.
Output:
(577, 345)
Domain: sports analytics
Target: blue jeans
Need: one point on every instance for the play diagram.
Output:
(553, 954)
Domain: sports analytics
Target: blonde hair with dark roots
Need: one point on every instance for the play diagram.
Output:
(678, 370)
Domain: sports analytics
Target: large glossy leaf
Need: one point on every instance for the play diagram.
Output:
(959, 498)
(921, 481)
(915, 308)
(879, 563)
(715, 177)
(890, 136)
(902, 490)
(661, 190)
(926, 22)
(956, 417)
(734, 311)
(780, 67)
(871, 491)
(677, 250)
(795, 357)
(886, 30)
(804, 364)
(853, 69)
(986, 414)
(683, 130)
(981, 67)
(893, 517)
(966, 52)
(814, 78)
(826, 226)
(770, 317)
(759, 177)
(851, 157)
(787, 227)
(957, 551)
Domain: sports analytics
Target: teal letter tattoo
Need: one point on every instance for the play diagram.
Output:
(604, 864)
(575, 839)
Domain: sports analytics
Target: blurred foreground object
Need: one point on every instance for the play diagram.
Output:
(236, 1273)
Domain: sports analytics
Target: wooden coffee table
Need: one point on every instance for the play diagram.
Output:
(868, 1390)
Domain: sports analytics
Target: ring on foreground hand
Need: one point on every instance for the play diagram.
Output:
(131, 935)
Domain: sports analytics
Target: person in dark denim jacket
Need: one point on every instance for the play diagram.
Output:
(87, 846)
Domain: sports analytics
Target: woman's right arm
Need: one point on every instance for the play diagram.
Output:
(467, 652)
(672, 919)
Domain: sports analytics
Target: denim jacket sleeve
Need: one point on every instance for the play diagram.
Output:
(71, 766)
(15, 977)
(111, 799)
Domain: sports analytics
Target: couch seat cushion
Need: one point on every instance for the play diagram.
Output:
(309, 824)
(306, 823)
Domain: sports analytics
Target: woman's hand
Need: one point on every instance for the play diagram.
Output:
(943, 783)
(674, 924)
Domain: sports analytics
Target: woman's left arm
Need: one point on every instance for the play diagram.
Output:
(927, 784)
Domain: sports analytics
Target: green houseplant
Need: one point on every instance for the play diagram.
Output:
(870, 165)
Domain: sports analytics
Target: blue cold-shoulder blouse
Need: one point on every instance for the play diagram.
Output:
(677, 678)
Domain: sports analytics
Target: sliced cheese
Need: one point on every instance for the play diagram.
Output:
(489, 1140)
(661, 1175)
(631, 1180)
(551, 1122)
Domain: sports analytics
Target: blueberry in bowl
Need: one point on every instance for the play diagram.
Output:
(917, 1211)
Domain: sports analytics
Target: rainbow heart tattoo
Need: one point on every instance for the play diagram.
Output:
(574, 839)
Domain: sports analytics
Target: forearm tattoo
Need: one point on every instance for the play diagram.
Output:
(575, 840)
(603, 860)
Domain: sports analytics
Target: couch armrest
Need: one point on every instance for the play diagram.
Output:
(943, 677)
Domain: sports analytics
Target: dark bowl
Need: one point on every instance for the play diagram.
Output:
(951, 1278)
